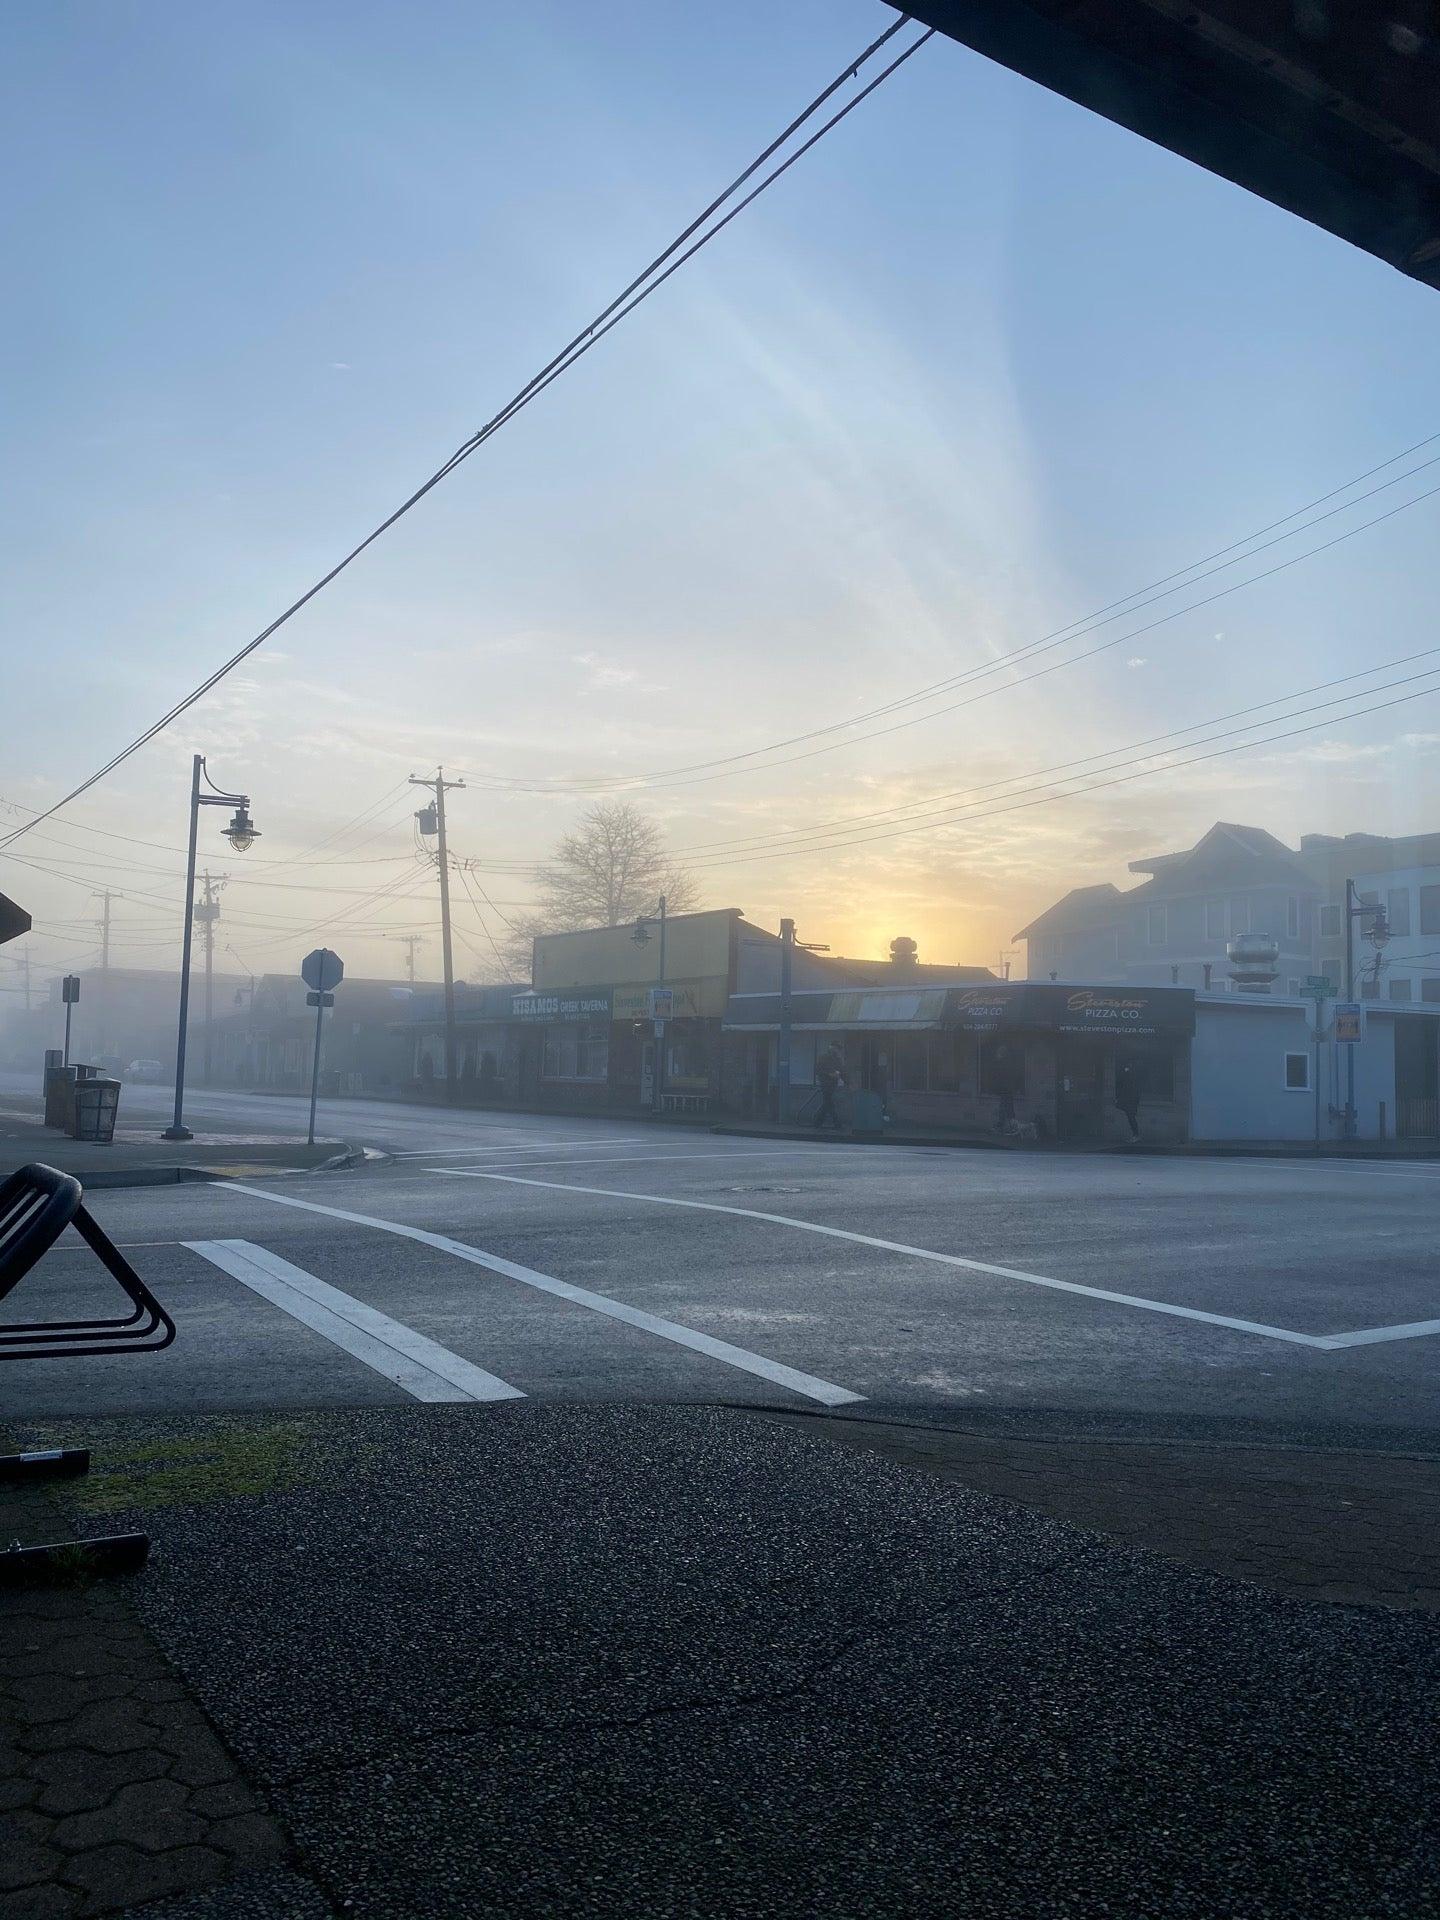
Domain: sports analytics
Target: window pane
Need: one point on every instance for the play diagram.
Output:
(1397, 909)
(1002, 1066)
(1292, 917)
(1400, 990)
(1331, 923)
(1430, 989)
(1214, 919)
(1240, 915)
(1297, 1072)
(944, 1056)
(910, 1063)
(1430, 909)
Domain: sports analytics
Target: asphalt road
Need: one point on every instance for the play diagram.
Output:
(593, 1260)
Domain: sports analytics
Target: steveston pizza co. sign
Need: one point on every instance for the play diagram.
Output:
(1136, 1010)
(1061, 1009)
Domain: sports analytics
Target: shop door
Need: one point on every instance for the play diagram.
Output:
(1417, 1080)
(1080, 1090)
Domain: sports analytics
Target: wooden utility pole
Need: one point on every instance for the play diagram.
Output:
(409, 941)
(432, 820)
(207, 913)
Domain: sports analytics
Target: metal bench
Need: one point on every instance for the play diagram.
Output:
(685, 1102)
(36, 1206)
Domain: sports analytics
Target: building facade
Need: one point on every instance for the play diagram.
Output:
(1174, 927)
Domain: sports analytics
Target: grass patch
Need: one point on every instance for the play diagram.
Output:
(229, 1462)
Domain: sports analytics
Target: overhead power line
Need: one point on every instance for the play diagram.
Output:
(729, 766)
(683, 247)
(916, 808)
(1013, 804)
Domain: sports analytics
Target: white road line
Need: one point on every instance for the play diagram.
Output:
(425, 1370)
(802, 1383)
(918, 1253)
(637, 1159)
(1372, 1336)
(515, 1146)
(1351, 1166)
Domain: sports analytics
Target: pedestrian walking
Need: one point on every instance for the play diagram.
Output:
(830, 1074)
(1127, 1096)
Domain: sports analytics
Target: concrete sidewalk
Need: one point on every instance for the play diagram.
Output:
(138, 1156)
(626, 1660)
(908, 1136)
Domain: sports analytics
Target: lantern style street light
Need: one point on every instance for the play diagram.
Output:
(242, 833)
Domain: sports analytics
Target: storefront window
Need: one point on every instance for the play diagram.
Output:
(1153, 1063)
(945, 1051)
(1002, 1066)
(908, 1070)
(576, 1052)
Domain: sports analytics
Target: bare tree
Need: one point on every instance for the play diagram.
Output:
(611, 868)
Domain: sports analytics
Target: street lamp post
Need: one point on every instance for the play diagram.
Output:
(241, 833)
(1379, 936)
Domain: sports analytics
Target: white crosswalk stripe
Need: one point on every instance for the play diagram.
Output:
(421, 1367)
(806, 1384)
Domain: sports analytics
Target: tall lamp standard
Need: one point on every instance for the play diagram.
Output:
(242, 834)
(1379, 937)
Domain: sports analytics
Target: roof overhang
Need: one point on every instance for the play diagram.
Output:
(1330, 110)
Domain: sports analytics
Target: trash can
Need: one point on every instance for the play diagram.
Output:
(59, 1097)
(97, 1101)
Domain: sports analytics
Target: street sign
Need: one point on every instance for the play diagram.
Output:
(1319, 986)
(322, 970)
(662, 1003)
(70, 989)
(1349, 1024)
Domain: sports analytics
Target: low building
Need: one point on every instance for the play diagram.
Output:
(270, 1041)
(584, 1035)
(1261, 1074)
(974, 1057)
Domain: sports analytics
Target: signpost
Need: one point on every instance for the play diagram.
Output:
(70, 994)
(322, 971)
(1349, 1022)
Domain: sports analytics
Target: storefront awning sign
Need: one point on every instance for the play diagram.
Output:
(582, 1004)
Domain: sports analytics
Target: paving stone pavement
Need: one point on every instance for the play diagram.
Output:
(114, 1787)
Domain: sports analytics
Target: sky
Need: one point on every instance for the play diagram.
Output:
(979, 365)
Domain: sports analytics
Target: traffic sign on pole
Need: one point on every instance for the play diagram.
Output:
(321, 971)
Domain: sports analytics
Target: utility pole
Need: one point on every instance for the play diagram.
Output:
(104, 1022)
(207, 913)
(432, 820)
(409, 941)
(782, 1046)
(1378, 935)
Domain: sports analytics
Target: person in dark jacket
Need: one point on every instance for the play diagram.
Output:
(830, 1075)
(1127, 1096)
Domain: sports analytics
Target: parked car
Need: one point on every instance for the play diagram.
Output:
(144, 1070)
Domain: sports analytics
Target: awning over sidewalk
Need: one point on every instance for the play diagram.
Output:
(1048, 1006)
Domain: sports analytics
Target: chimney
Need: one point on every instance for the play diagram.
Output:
(903, 954)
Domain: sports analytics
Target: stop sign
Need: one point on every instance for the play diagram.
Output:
(322, 970)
